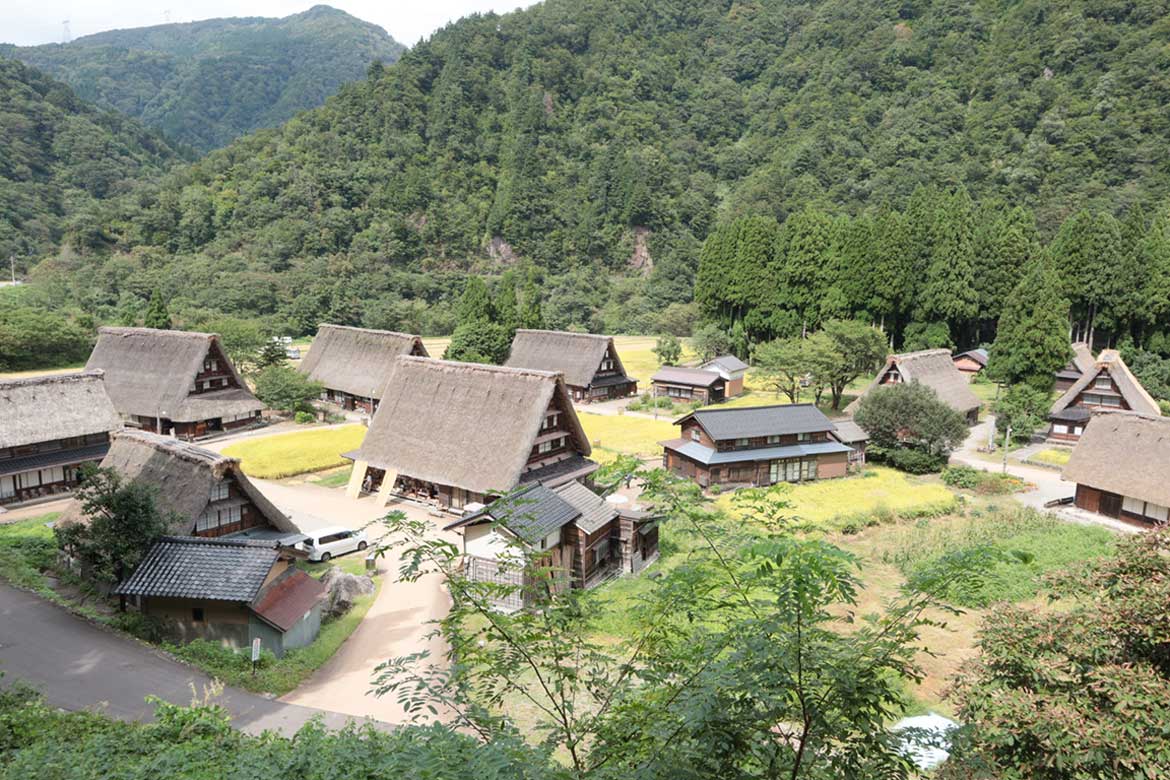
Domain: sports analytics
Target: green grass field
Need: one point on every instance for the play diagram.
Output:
(289, 454)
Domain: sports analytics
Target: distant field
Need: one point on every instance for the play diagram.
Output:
(289, 454)
(1053, 457)
(40, 372)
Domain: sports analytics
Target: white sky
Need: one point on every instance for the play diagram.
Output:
(28, 22)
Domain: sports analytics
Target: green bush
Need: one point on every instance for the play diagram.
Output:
(148, 628)
(304, 418)
(966, 477)
(914, 461)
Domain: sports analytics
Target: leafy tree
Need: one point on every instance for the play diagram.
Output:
(783, 364)
(679, 697)
(910, 415)
(1024, 408)
(1032, 338)
(122, 522)
(285, 389)
(242, 340)
(33, 337)
(157, 315)
(859, 350)
(1077, 691)
(709, 342)
(927, 335)
(479, 342)
(668, 350)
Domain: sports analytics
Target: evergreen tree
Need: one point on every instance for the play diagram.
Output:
(891, 277)
(476, 303)
(948, 292)
(1031, 342)
(531, 315)
(507, 309)
(806, 242)
(157, 315)
(1005, 242)
(1155, 263)
(1085, 253)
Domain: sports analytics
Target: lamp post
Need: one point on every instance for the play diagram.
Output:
(158, 421)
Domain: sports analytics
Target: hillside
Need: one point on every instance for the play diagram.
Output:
(62, 163)
(205, 83)
(603, 139)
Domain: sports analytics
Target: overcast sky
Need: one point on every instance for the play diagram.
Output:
(28, 22)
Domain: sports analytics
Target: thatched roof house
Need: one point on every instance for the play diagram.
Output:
(354, 364)
(1082, 361)
(49, 427)
(589, 363)
(182, 380)
(1121, 465)
(1107, 385)
(208, 492)
(455, 433)
(933, 368)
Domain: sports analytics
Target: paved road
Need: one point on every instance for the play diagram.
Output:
(77, 666)
(1049, 483)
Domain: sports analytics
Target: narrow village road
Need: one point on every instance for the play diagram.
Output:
(78, 666)
(398, 621)
(1049, 483)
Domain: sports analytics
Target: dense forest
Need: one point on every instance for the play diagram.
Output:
(596, 146)
(62, 163)
(204, 83)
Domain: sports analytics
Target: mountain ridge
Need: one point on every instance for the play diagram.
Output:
(207, 82)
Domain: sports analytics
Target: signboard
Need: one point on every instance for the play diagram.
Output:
(256, 650)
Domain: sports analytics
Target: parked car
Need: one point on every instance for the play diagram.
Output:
(326, 543)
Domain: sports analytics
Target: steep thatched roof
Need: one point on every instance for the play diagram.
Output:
(44, 408)
(1124, 453)
(1082, 361)
(576, 355)
(357, 361)
(463, 424)
(149, 373)
(1109, 362)
(182, 474)
(933, 368)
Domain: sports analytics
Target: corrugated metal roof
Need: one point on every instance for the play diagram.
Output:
(710, 457)
(757, 421)
(849, 431)
(197, 568)
(285, 602)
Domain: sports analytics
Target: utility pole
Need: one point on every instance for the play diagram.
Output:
(66, 36)
(1007, 437)
(12, 266)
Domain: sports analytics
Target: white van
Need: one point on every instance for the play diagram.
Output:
(326, 543)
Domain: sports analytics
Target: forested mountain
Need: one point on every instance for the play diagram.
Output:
(206, 83)
(62, 162)
(604, 140)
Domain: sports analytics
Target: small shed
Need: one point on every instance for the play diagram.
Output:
(855, 438)
(971, 362)
(229, 591)
(732, 369)
(689, 384)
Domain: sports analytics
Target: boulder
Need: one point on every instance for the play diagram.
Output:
(342, 589)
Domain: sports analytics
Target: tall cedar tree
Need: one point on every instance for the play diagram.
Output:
(948, 293)
(805, 240)
(157, 315)
(1032, 338)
